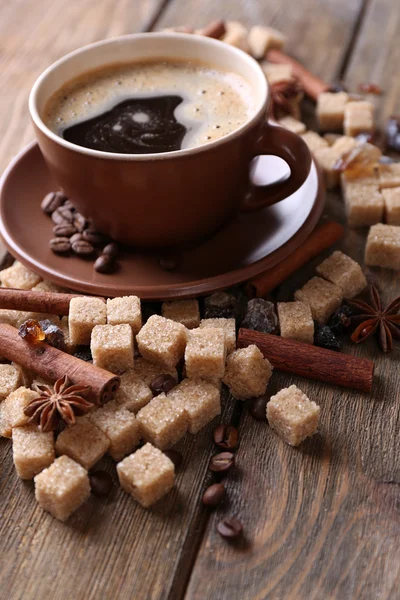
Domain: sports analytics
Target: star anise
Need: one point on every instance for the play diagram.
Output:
(61, 403)
(285, 96)
(374, 318)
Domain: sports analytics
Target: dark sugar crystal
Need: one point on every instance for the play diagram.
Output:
(83, 353)
(261, 316)
(54, 335)
(341, 319)
(325, 338)
(219, 305)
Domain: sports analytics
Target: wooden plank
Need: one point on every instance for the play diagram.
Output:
(321, 520)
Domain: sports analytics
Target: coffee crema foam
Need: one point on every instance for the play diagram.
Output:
(213, 102)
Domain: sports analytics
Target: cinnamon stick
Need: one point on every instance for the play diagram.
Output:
(310, 361)
(51, 363)
(215, 29)
(321, 238)
(35, 301)
(313, 85)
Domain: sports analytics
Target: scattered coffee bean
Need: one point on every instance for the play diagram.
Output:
(258, 408)
(222, 462)
(58, 218)
(52, 201)
(95, 237)
(168, 263)
(64, 230)
(261, 316)
(60, 245)
(111, 250)
(104, 264)
(226, 436)
(162, 384)
(82, 247)
(79, 221)
(214, 495)
(230, 528)
(175, 456)
(219, 305)
(101, 483)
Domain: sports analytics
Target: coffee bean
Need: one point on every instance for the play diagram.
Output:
(230, 528)
(77, 237)
(162, 383)
(101, 483)
(214, 495)
(222, 462)
(66, 213)
(168, 263)
(82, 248)
(258, 408)
(52, 201)
(60, 245)
(175, 457)
(95, 237)
(79, 221)
(104, 264)
(111, 250)
(68, 204)
(64, 230)
(226, 436)
(58, 218)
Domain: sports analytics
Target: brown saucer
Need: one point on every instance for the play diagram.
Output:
(244, 248)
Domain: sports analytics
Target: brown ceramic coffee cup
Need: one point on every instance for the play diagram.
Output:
(171, 198)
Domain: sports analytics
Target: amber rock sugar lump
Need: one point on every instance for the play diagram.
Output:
(147, 475)
(323, 297)
(10, 380)
(205, 353)
(133, 392)
(247, 373)
(345, 272)
(292, 415)
(364, 204)
(19, 277)
(12, 410)
(228, 326)
(330, 110)
(186, 312)
(296, 321)
(383, 247)
(162, 341)
(84, 314)
(62, 488)
(147, 371)
(83, 442)
(33, 450)
(200, 400)
(162, 422)
(358, 118)
(119, 426)
(391, 199)
(112, 347)
(126, 309)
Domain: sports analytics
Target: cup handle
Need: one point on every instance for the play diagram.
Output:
(277, 141)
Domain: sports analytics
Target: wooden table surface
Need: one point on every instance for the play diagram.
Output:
(321, 520)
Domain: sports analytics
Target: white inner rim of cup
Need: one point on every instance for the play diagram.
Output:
(136, 47)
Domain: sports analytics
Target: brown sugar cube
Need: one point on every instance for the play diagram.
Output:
(27, 376)
(328, 157)
(84, 442)
(147, 371)
(186, 312)
(292, 124)
(383, 247)
(261, 39)
(85, 313)
(358, 118)
(345, 272)
(19, 277)
(292, 415)
(314, 141)
(364, 204)
(247, 373)
(10, 380)
(133, 392)
(33, 450)
(147, 475)
(205, 353)
(162, 341)
(200, 400)
(391, 198)
(120, 426)
(112, 347)
(368, 177)
(162, 422)
(330, 110)
(48, 286)
(323, 297)
(236, 35)
(126, 309)
(62, 488)
(64, 326)
(227, 325)
(296, 322)
(276, 73)
(12, 410)
(331, 138)
(389, 175)
(9, 317)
